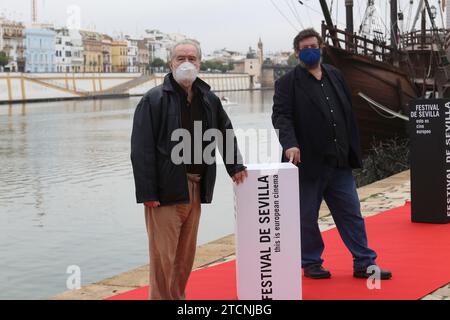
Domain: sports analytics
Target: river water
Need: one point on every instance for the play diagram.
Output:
(67, 191)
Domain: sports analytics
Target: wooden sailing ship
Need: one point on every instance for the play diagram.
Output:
(427, 52)
(384, 78)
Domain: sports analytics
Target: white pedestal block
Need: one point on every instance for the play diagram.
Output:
(268, 245)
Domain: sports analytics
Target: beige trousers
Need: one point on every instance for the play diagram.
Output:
(172, 235)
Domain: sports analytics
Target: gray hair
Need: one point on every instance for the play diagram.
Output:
(191, 42)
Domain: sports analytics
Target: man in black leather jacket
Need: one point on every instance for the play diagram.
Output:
(173, 190)
(318, 132)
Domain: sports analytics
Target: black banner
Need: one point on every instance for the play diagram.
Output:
(234, 310)
(430, 161)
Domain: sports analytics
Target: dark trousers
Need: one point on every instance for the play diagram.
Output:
(337, 186)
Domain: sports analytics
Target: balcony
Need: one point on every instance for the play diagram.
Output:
(12, 35)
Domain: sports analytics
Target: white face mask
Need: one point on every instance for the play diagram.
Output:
(186, 73)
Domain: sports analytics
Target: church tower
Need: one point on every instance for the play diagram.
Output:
(260, 52)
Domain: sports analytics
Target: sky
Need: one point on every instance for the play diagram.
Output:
(232, 24)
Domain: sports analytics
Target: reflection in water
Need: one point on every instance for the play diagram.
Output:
(67, 192)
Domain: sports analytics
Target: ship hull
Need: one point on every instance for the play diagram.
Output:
(383, 83)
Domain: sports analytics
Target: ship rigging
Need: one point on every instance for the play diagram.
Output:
(388, 61)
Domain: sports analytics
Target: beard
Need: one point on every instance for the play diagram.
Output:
(308, 67)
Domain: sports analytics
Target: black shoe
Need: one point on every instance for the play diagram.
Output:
(363, 274)
(316, 272)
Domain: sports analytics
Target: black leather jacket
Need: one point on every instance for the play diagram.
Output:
(301, 122)
(156, 117)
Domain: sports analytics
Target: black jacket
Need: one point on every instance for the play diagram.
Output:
(301, 123)
(156, 117)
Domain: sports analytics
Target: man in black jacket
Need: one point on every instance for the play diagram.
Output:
(173, 171)
(317, 130)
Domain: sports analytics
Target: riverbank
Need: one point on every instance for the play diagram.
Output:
(375, 198)
(46, 87)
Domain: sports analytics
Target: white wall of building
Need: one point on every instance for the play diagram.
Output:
(133, 52)
(160, 44)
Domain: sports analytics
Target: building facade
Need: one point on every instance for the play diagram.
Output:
(68, 50)
(252, 63)
(107, 53)
(157, 42)
(143, 56)
(280, 58)
(40, 50)
(160, 44)
(119, 56)
(77, 50)
(92, 53)
(132, 53)
(46, 48)
(12, 43)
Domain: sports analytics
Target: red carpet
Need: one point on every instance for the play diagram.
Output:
(417, 254)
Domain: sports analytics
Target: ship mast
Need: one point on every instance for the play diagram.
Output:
(418, 13)
(443, 60)
(349, 16)
(394, 29)
(329, 22)
(372, 25)
(430, 14)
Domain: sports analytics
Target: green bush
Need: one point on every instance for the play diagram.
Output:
(385, 158)
(4, 60)
(212, 65)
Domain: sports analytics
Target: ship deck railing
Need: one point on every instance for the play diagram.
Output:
(425, 39)
(355, 43)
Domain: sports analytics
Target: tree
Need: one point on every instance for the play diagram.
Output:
(4, 60)
(293, 60)
(214, 65)
(158, 63)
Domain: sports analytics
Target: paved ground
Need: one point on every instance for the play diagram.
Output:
(375, 198)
